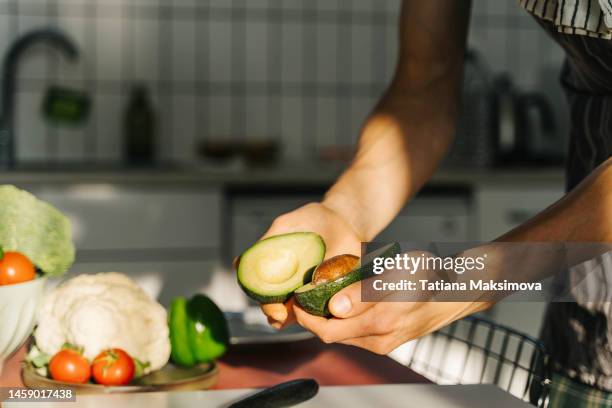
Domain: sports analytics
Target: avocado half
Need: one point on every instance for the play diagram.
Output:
(274, 267)
(314, 297)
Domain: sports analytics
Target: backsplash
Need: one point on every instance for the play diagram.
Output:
(304, 71)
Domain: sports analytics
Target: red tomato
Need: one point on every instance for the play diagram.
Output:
(113, 367)
(15, 268)
(70, 366)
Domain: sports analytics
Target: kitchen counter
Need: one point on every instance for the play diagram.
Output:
(265, 365)
(388, 396)
(296, 174)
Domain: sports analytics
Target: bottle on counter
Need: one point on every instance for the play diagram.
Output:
(139, 129)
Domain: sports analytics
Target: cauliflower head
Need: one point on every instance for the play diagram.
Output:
(102, 311)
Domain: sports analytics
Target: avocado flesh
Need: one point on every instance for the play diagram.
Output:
(315, 298)
(273, 268)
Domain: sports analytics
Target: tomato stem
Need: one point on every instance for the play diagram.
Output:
(1, 253)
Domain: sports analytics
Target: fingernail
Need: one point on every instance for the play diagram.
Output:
(342, 305)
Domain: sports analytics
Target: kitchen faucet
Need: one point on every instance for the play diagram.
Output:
(48, 36)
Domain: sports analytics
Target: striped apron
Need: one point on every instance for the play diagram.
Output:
(579, 335)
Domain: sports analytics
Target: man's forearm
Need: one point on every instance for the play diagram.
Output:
(400, 147)
(403, 141)
(573, 230)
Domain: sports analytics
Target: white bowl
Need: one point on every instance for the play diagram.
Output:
(18, 307)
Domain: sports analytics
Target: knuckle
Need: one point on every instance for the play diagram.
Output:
(383, 348)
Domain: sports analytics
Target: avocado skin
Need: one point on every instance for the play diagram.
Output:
(316, 300)
(262, 298)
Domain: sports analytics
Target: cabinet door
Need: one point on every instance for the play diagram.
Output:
(427, 219)
(126, 218)
(502, 209)
(252, 216)
(166, 280)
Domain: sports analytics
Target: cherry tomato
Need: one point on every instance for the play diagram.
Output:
(15, 268)
(113, 367)
(70, 366)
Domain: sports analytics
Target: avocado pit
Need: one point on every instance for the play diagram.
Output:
(334, 268)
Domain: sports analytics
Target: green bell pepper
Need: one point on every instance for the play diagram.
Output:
(198, 331)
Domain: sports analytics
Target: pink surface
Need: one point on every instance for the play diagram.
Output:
(265, 365)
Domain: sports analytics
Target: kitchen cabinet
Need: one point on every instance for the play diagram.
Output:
(502, 208)
(167, 239)
(251, 216)
(162, 280)
(106, 216)
(436, 218)
(432, 218)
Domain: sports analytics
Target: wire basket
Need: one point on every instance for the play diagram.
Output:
(476, 350)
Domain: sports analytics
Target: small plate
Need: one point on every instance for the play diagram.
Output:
(244, 328)
(169, 378)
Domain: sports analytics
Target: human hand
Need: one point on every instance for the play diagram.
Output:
(381, 327)
(339, 237)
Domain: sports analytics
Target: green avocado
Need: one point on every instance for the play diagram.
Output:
(315, 298)
(198, 331)
(274, 267)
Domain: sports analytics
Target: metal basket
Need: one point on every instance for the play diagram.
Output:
(476, 350)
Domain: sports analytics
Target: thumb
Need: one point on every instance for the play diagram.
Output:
(347, 302)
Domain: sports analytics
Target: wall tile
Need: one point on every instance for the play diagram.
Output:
(257, 51)
(110, 109)
(133, 45)
(326, 126)
(293, 144)
(327, 51)
(220, 51)
(359, 5)
(294, 4)
(67, 69)
(528, 47)
(184, 50)
(360, 109)
(292, 62)
(257, 118)
(31, 132)
(393, 5)
(392, 44)
(110, 33)
(257, 4)
(361, 53)
(35, 64)
(220, 118)
(328, 5)
(5, 33)
(183, 136)
(145, 59)
(70, 143)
